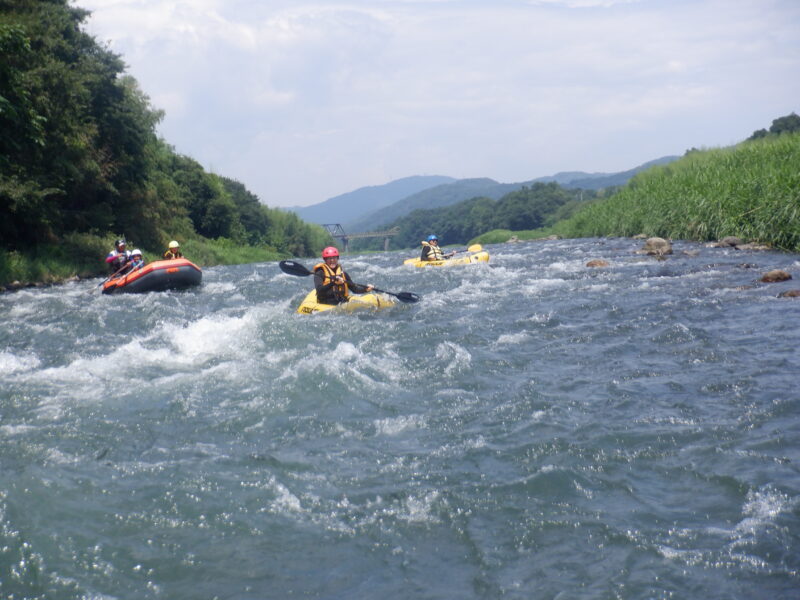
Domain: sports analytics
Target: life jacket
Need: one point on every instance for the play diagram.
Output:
(117, 259)
(341, 293)
(169, 254)
(435, 253)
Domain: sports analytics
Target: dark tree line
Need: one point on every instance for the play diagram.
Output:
(787, 124)
(79, 151)
(530, 207)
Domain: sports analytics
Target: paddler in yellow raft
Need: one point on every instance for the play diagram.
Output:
(431, 250)
(332, 283)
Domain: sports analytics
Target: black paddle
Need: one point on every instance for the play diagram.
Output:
(294, 268)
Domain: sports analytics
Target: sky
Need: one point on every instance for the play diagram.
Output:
(303, 100)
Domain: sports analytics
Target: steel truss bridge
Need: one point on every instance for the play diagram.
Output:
(336, 231)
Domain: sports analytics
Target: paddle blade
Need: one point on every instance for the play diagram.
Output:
(475, 248)
(408, 297)
(293, 268)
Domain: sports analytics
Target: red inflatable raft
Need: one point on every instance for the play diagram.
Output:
(157, 276)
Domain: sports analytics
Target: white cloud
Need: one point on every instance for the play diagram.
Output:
(302, 100)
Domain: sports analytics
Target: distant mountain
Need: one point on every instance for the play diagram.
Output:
(465, 189)
(565, 177)
(349, 206)
(435, 197)
(597, 181)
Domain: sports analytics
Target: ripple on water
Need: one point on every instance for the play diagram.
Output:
(531, 428)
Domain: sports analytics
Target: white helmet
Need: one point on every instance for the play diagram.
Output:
(136, 252)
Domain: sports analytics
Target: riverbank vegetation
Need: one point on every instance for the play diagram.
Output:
(81, 164)
(750, 190)
(537, 205)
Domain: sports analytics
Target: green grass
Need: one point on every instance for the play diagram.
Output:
(751, 190)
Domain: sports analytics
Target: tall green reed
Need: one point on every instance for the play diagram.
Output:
(751, 190)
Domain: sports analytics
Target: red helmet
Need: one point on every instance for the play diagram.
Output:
(330, 251)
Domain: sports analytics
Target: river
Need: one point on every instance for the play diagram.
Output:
(531, 429)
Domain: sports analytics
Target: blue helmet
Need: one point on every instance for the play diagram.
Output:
(432, 237)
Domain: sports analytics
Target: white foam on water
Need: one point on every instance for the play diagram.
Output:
(689, 557)
(761, 507)
(373, 367)
(537, 286)
(221, 287)
(395, 425)
(510, 256)
(14, 363)
(285, 500)
(419, 509)
(541, 317)
(19, 311)
(412, 509)
(510, 339)
(597, 287)
(571, 266)
(12, 430)
(214, 337)
(222, 339)
(538, 415)
(56, 456)
(459, 357)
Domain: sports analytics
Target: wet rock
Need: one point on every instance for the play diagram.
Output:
(597, 262)
(790, 294)
(729, 242)
(691, 253)
(640, 236)
(656, 246)
(754, 246)
(512, 240)
(775, 276)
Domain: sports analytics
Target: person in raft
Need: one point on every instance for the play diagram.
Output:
(174, 251)
(118, 258)
(137, 261)
(431, 250)
(332, 283)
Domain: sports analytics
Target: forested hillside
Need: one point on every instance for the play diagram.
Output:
(458, 191)
(537, 205)
(81, 162)
(439, 196)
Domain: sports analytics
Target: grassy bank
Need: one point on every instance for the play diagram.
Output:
(751, 191)
(83, 256)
